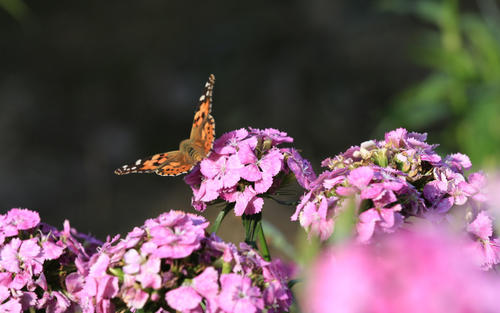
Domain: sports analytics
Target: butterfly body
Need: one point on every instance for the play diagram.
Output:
(191, 150)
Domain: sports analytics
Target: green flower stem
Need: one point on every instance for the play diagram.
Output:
(220, 217)
(264, 249)
(254, 232)
(250, 223)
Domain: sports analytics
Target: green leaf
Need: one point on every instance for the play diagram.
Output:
(220, 217)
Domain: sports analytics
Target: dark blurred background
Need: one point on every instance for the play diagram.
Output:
(86, 86)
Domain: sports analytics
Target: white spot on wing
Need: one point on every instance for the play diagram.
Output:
(138, 162)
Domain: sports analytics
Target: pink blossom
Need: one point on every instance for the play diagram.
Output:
(19, 253)
(223, 171)
(314, 218)
(458, 162)
(301, 168)
(485, 249)
(276, 136)
(247, 201)
(98, 284)
(238, 295)
(11, 306)
(134, 297)
(22, 219)
(187, 298)
(183, 299)
(229, 142)
(178, 236)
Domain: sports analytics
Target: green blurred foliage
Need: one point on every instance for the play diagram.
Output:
(460, 98)
(16, 8)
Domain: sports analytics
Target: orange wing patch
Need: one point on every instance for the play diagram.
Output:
(155, 161)
(174, 169)
(208, 135)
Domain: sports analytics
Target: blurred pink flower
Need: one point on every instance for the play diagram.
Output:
(411, 273)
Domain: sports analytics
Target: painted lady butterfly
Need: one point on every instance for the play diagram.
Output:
(191, 151)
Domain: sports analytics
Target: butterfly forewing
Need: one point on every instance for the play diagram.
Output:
(204, 108)
(208, 135)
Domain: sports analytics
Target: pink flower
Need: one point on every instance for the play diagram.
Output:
(222, 171)
(25, 254)
(11, 306)
(277, 137)
(18, 219)
(134, 297)
(302, 169)
(188, 298)
(485, 249)
(261, 171)
(22, 218)
(238, 295)
(176, 235)
(458, 162)
(247, 201)
(56, 302)
(99, 285)
(183, 299)
(388, 219)
(314, 218)
(229, 142)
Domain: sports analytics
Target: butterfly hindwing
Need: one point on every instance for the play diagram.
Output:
(175, 167)
(147, 165)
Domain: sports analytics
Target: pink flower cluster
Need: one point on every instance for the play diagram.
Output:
(170, 263)
(243, 165)
(390, 180)
(412, 272)
(34, 259)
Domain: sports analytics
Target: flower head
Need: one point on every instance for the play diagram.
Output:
(243, 167)
(171, 263)
(390, 180)
(34, 260)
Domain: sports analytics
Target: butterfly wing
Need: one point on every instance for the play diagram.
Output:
(202, 114)
(208, 135)
(173, 161)
(177, 164)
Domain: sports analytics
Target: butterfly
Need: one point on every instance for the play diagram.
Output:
(191, 151)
